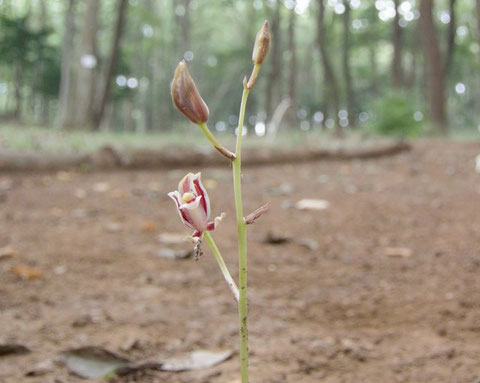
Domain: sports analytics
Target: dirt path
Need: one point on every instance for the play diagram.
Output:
(345, 311)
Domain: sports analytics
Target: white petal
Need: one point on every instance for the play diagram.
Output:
(198, 177)
(195, 214)
(184, 186)
(175, 195)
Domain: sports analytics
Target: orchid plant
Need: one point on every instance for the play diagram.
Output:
(191, 198)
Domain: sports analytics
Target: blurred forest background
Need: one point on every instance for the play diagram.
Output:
(399, 67)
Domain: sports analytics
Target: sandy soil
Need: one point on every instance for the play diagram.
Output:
(351, 310)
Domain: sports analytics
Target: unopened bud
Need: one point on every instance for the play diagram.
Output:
(186, 96)
(262, 43)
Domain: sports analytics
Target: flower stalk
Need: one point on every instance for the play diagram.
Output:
(191, 199)
(242, 240)
(223, 267)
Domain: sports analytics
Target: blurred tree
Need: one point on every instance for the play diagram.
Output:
(292, 77)
(365, 48)
(452, 32)
(397, 42)
(435, 70)
(347, 72)
(20, 48)
(105, 88)
(65, 104)
(86, 67)
(330, 78)
(273, 90)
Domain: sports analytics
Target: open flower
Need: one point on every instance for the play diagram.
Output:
(193, 205)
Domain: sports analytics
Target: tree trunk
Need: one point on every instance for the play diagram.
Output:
(275, 61)
(398, 78)
(43, 102)
(87, 63)
(347, 72)
(18, 81)
(104, 94)
(435, 68)
(64, 106)
(329, 74)
(478, 19)
(452, 31)
(372, 59)
(184, 24)
(292, 78)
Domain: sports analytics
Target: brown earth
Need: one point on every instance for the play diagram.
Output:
(351, 310)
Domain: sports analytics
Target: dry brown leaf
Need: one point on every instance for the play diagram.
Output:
(27, 272)
(64, 176)
(118, 193)
(403, 252)
(8, 252)
(149, 226)
(312, 204)
(171, 238)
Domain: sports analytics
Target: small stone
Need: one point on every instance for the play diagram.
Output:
(113, 227)
(173, 254)
(403, 252)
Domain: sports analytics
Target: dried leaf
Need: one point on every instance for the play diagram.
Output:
(64, 176)
(41, 368)
(113, 227)
(284, 189)
(101, 187)
(118, 194)
(171, 238)
(308, 243)
(149, 226)
(13, 349)
(5, 184)
(275, 238)
(173, 254)
(403, 252)
(196, 360)
(8, 252)
(92, 362)
(312, 204)
(26, 272)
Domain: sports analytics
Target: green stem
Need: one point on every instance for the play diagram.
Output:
(223, 267)
(227, 153)
(242, 241)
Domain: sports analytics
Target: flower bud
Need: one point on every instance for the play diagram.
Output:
(262, 43)
(186, 96)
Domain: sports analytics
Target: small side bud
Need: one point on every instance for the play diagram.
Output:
(262, 43)
(186, 97)
(249, 219)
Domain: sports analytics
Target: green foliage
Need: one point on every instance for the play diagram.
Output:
(394, 115)
(19, 43)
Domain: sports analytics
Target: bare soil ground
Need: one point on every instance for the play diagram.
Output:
(350, 310)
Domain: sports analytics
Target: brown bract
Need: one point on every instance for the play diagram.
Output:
(186, 96)
(262, 43)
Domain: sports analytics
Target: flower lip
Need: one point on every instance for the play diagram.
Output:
(188, 197)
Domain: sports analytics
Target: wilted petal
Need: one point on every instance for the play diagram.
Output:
(213, 225)
(195, 237)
